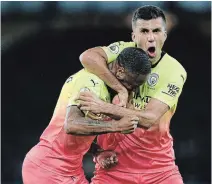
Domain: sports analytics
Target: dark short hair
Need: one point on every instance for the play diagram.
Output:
(135, 61)
(147, 13)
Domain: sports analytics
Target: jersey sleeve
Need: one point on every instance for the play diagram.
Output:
(84, 84)
(113, 50)
(169, 89)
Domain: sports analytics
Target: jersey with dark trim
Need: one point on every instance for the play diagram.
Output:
(60, 152)
(148, 150)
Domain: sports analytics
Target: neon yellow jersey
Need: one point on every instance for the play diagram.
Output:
(58, 151)
(114, 49)
(165, 82)
(81, 81)
(152, 147)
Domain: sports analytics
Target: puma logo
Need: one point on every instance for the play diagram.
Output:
(94, 83)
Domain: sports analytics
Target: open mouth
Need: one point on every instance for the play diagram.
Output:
(151, 52)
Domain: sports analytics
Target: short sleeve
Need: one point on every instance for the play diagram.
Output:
(113, 50)
(84, 84)
(169, 89)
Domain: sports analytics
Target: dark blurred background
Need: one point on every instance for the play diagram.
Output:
(40, 46)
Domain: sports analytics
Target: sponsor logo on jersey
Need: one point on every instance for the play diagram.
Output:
(172, 90)
(153, 79)
(138, 103)
(114, 48)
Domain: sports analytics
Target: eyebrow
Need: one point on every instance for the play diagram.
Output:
(155, 29)
(144, 29)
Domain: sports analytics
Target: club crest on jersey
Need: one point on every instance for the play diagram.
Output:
(114, 48)
(153, 79)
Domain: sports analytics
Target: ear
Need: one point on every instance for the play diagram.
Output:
(165, 35)
(133, 36)
(120, 73)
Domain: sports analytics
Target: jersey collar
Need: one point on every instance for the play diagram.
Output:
(162, 54)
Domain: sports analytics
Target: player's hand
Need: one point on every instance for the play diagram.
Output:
(123, 98)
(107, 159)
(90, 102)
(127, 124)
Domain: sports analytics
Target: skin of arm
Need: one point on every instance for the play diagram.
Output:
(95, 61)
(77, 124)
(106, 159)
(154, 110)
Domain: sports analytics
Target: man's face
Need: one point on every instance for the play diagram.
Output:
(130, 81)
(150, 36)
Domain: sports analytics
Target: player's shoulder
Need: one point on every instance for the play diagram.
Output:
(114, 49)
(121, 44)
(173, 65)
(83, 76)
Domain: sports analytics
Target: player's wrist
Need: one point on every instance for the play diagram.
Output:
(122, 90)
(106, 108)
(115, 126)
(119, 88)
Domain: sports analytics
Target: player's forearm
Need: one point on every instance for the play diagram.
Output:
(146, 118)
(82, 126)
(95, 61)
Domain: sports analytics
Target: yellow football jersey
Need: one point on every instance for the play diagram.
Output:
(165, 82)
(81, 81)
(57, 150)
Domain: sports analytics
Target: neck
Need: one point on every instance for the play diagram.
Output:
(155, 60)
